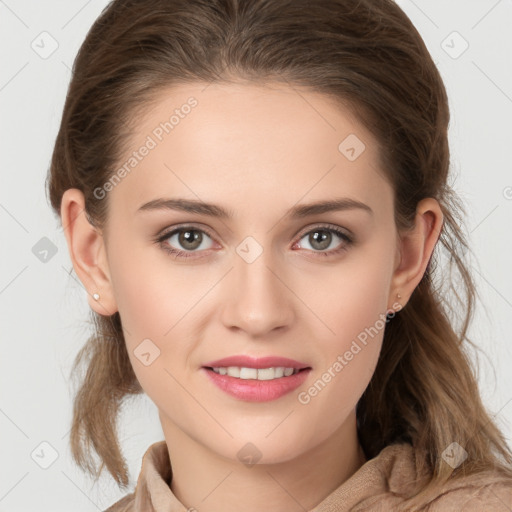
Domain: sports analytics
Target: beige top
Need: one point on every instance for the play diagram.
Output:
(380, 484)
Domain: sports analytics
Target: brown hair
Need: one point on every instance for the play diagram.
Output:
(363, 53)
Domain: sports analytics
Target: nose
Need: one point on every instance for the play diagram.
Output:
(257, 297)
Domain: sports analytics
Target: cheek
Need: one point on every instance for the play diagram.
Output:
(352, 305)
(157, 302)
(350, 297)
(151, 294)
(349, 360)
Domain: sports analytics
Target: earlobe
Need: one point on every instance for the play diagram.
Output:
(87, 251)
(416, 248)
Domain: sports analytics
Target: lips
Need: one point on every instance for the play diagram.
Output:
(256, 362)
(254, 390)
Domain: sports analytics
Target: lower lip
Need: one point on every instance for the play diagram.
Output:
(253, 390)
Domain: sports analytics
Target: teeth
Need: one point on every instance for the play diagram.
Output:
(233, 371)
(254, 373)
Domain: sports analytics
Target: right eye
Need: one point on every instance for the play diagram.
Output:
(189, 238)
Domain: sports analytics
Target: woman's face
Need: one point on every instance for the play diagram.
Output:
(268, 279)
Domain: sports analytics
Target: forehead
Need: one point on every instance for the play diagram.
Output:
(234, 142)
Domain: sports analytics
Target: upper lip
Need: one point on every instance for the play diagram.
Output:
(256, 362)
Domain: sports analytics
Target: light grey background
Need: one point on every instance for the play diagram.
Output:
(44, 308)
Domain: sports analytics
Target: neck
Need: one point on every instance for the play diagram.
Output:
(209, 482)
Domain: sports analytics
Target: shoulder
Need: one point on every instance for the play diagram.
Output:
(123, 505)
(152, 481)
(473, 494)
(404, 477)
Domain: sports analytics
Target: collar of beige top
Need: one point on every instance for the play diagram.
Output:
(381, 483)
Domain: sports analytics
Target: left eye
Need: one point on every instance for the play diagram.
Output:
(321, 239)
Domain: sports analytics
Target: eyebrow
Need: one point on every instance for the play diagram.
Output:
(213, 210)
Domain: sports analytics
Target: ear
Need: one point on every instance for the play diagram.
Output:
(86, 247)
(415, 248)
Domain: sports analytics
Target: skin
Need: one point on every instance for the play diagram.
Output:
(258, 151)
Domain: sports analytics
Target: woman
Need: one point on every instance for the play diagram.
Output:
(252, 194)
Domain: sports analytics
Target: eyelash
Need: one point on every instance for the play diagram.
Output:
(190, 254)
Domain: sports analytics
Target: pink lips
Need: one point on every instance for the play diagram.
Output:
(257, 362)
(254, 390)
